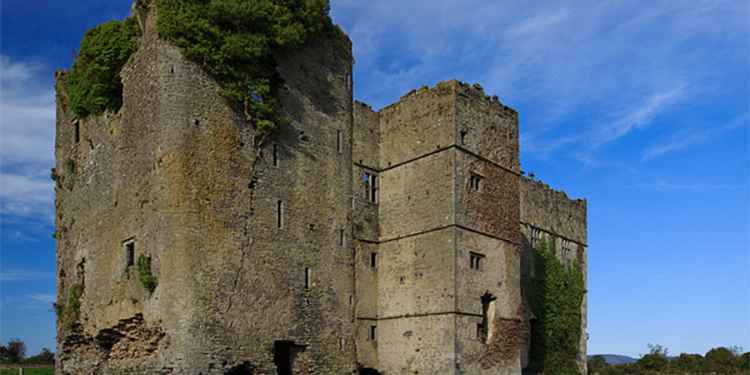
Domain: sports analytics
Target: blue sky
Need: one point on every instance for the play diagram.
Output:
(642, 107)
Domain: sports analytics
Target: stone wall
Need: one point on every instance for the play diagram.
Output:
(178, 172)
(273, 252)
(563, 221)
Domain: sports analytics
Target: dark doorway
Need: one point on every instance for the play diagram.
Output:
(243, 369)
(368, 371)
(283, 356)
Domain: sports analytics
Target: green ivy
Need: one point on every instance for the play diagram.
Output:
(234, 41)
(556, 298)
(71, 313)
(94, 83)
(148, 280)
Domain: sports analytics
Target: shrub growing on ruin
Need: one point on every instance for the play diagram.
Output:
(94, 83)
(71, 313)
(147, 278)
(234, 41)
(556, 298)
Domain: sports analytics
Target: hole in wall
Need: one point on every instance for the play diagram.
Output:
(284, 353)
(243, 369)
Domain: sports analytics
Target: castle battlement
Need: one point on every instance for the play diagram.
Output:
(351, 241)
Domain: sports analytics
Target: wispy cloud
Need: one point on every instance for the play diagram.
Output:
(666, 186)
(639, 117)
(27, 130)
(24, 275)
(44, 298)
(690, 137)
(537, 24)
(622, 65)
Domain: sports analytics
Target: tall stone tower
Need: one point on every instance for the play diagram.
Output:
(352, 241)
(244, 241)
(440, 270)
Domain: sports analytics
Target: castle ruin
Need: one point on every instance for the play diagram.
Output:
(353, 241)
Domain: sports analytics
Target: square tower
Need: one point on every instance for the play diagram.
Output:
(447, 240)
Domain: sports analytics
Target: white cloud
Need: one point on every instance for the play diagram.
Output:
(538, 24)
(666, 186)
(27, 131)
(44, 298)
(24, 275)
(622, 63)
(640, 116)
(25, 195)
(690, 137)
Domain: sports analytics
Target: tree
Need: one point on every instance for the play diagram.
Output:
(688, 362)
(720, 359)
(656, 359)
(745, 361)
(597, 365)
(14, 352)
(45, 357)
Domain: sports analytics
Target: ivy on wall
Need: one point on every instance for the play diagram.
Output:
(234, 41)
(94, 83)
(556, 296)
(70, 313)
(147, 278)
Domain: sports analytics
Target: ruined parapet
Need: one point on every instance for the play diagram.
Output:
(553, 211)
(348, 240)
(550, 215)
(245, 253)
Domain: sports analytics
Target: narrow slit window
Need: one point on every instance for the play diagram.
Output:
(476, 261)
(77, 132)
(342, 344)
(342, 237)
(373, 332)
(308, 278)
(375, 189)
(463, 136)
(371, 187)
(275, 153)
(567, 248)
(475, 182)
(373, 260)
(536, 236)
(129, 247)
(339, 142)
(279, 214)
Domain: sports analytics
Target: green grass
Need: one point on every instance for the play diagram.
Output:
(29, 371)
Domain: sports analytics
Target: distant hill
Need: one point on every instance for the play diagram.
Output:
(616, 359)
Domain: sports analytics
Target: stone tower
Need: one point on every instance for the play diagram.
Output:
(353, 241)
(446, 230)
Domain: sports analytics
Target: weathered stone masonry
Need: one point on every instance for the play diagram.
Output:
(350, 241)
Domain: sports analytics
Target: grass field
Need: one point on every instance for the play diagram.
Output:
(29, 371)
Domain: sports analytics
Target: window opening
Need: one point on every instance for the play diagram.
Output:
(475, 182)
(476, 261)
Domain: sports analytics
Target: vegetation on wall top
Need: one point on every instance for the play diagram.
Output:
(94, 83)
(556, 297)
(234, 41)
